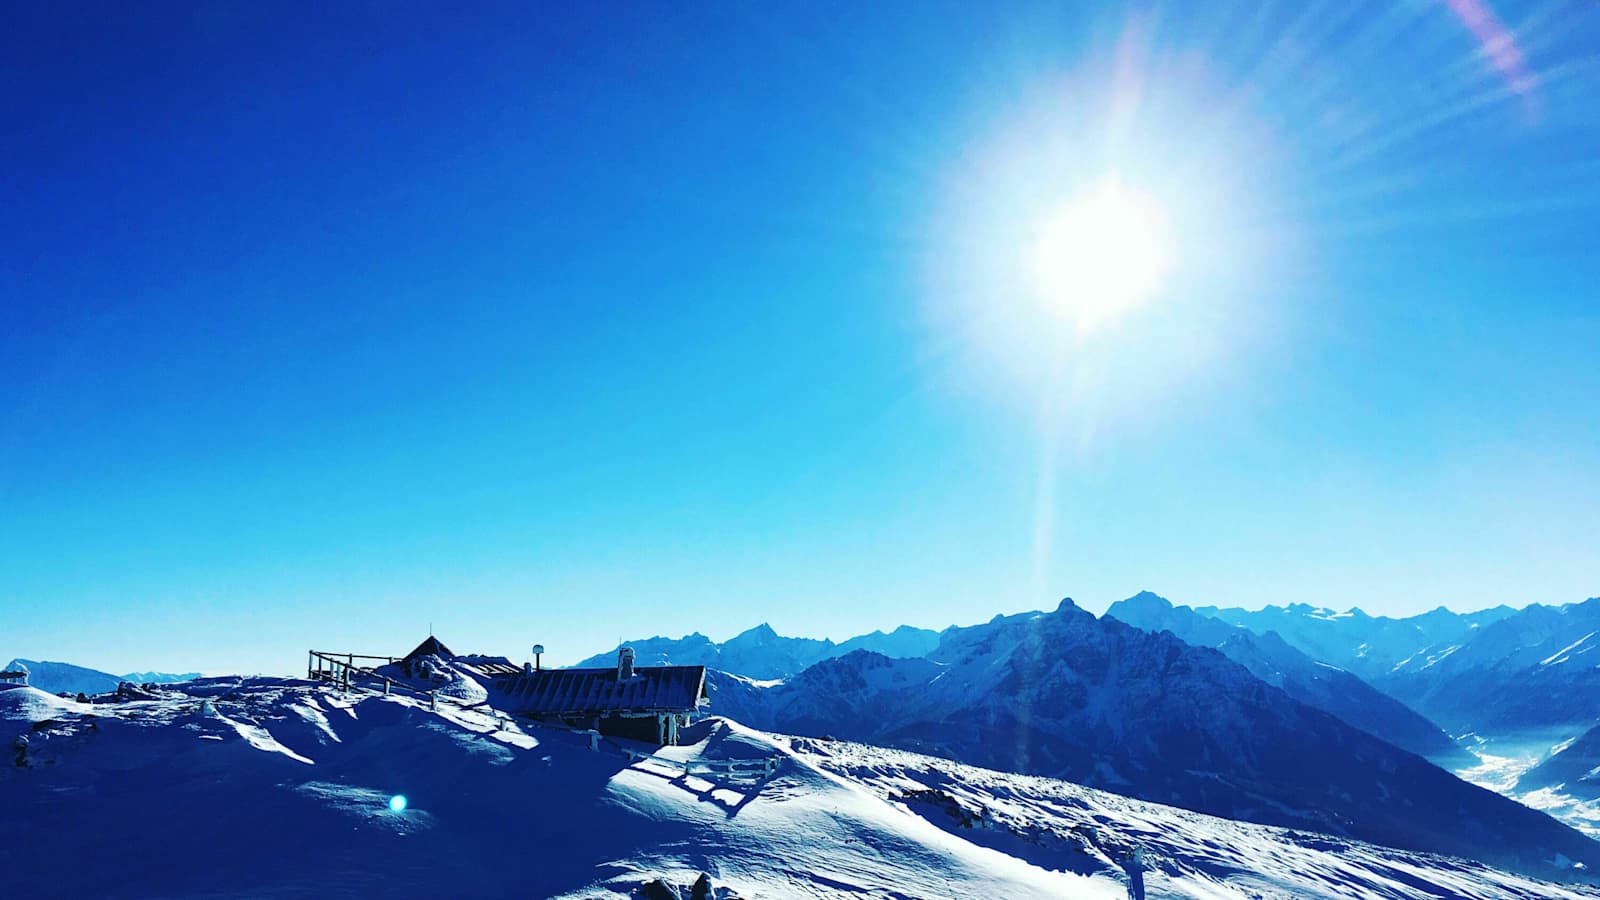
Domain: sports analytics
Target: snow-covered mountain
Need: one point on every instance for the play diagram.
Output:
(1099, 702)
(60, 677)
(279, 788)
(762, 653)
(904, 642)
(1271, 659)
(1534, 673)
(159, 677)
(1574, 768)
(1519, 677)
(1370, 647)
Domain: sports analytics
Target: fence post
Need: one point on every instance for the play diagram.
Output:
(433, 700)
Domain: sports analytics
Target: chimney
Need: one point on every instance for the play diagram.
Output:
(624, 663)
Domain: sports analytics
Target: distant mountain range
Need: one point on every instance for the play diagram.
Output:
(763, 654)
(1103, 703)
(59, 677)
(1534, 672)
(1504, 675)
(1370, 647)
(1529, 674)
(1324, 686)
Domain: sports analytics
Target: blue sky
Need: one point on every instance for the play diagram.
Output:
(569, 324)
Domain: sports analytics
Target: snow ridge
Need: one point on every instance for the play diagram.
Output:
(291, 780)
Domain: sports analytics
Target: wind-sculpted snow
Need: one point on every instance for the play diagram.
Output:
(1102, 703)
(280, 788)
(1059, 825)
(276, 788)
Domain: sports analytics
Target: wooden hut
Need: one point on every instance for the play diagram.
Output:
(647, 703)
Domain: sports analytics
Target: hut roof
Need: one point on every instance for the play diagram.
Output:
(431, 646)
(599, 691)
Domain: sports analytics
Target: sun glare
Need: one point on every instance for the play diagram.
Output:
(1101, 255)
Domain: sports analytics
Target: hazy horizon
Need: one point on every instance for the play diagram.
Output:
(563, 656)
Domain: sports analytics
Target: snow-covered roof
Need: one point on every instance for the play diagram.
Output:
(586, 691)
(488, 666)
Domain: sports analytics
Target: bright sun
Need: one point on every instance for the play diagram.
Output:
(1101, 255)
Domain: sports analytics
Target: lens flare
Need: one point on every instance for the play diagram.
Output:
(1102, 255)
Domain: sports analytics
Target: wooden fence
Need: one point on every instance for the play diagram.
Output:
(728, 768)
(341, 668)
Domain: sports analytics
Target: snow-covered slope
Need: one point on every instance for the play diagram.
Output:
(1575, 768)
(1566, 783)
(763, 654)
(277, 788)
(1058, 824)
(282, 789)
(1271, 659)
(1098, 702)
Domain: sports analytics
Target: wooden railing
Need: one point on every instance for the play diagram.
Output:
(749, 768)
(341, 667)
(341, 670)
